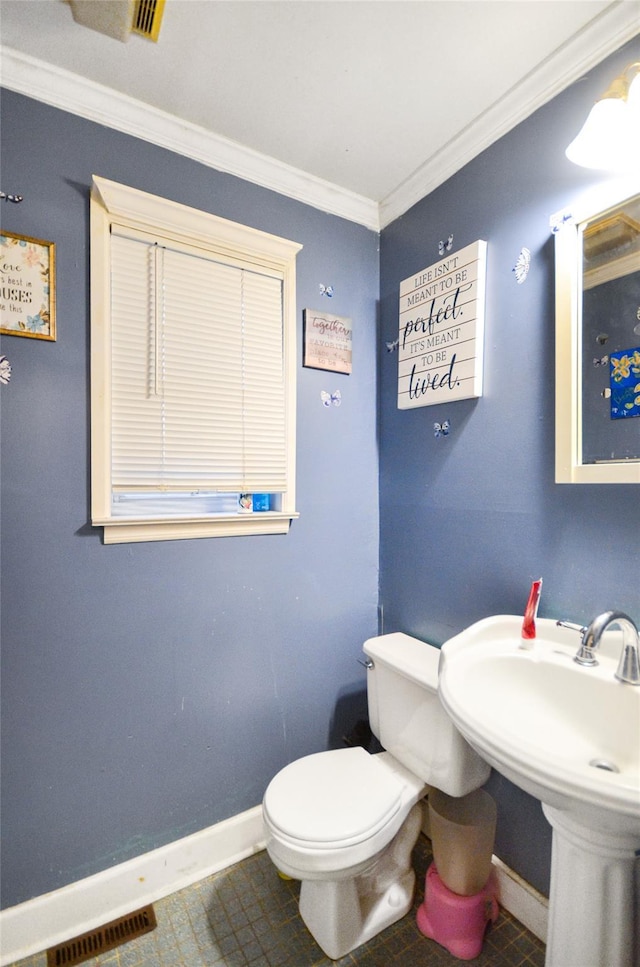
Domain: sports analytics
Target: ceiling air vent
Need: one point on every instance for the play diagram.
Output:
(147, 18)
(98, 941)
(120, 18)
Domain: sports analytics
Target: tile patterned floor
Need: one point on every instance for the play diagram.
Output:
(247, 916)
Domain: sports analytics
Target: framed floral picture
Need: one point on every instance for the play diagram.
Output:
(27, 287)
(624, 380)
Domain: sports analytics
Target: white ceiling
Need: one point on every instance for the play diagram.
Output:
(357, 106)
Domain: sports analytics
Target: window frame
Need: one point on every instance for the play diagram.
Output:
(113, 204)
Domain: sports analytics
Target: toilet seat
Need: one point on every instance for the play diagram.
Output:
(333, 800)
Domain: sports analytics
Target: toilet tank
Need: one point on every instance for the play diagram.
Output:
(406, 715)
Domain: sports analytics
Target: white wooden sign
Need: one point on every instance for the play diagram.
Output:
(441, 334)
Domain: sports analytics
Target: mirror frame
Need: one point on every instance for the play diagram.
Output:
(568, 266)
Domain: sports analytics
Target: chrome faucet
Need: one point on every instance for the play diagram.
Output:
(628, 670)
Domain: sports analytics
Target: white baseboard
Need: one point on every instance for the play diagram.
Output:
(522, 900)
(52, 918)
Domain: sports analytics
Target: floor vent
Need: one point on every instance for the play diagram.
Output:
(147, 18)
(101, 939)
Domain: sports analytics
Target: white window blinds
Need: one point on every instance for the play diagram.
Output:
(197, 376)
(193, 371)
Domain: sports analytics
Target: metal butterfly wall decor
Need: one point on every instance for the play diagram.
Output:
(445, 246)
(441, 429)
(331, 398)
(521, 268)
(392, 346)
(5, 370)
(326, 290)
(557, 221)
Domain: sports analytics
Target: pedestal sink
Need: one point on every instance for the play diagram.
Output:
(570, 736)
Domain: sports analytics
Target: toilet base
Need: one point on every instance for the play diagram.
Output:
(457, 923)
(343, 914)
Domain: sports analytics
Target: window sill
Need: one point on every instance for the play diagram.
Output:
(131, 530)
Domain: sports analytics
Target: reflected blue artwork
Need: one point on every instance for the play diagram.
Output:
(625, 383)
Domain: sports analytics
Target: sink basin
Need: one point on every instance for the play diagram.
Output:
(566, 734)
(570, 736)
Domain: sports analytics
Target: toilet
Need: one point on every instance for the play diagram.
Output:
(345, 822)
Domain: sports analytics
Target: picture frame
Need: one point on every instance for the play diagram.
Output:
(27, 287)
(327, 342)
(441, 330)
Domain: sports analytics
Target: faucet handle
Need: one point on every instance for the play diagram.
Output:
(585, 654)
(572, 625)
(629, 665)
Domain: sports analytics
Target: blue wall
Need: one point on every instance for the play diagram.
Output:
(150, 690)
(467, 521)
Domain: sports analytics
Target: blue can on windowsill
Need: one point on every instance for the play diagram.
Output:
(261, 502)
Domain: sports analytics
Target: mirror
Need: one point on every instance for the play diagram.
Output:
(597, 253)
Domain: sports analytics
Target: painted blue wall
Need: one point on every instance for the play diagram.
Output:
(150, 690)
(469, 520)
(153, 689)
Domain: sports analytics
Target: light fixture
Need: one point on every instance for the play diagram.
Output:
(610, 137)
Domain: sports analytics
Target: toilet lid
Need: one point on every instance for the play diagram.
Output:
(339, 797)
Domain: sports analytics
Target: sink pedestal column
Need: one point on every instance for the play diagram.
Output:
(591, 903)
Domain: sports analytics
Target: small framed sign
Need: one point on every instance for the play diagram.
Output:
(27, 287)
(441, 330)
(327, 341)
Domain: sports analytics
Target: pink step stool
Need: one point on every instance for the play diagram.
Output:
(456, 922)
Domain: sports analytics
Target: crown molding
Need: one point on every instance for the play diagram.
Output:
(95, 102)
(601, 37)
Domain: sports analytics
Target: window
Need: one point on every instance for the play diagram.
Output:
(192, 372)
